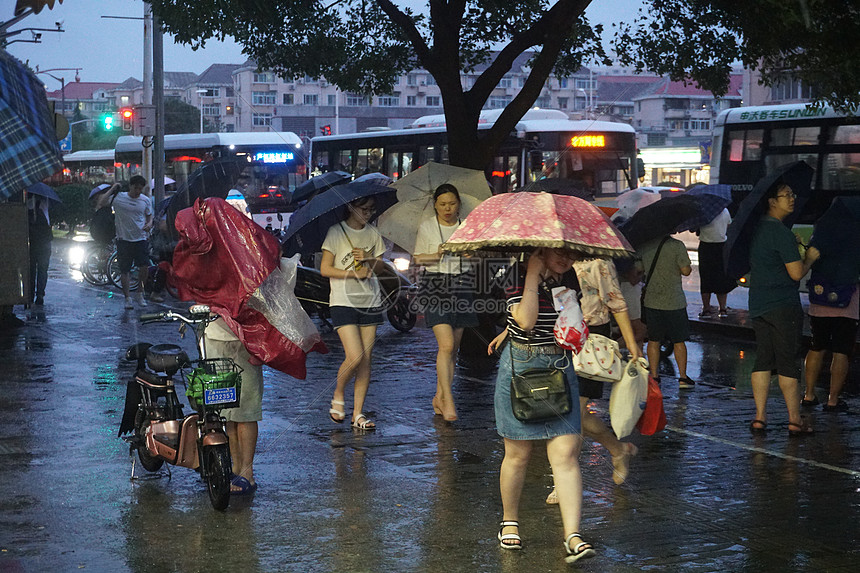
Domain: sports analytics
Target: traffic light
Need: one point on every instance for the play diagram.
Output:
(107, 121)
(325, 130)
(127, 119)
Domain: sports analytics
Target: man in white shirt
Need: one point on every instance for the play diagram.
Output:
(134, 217)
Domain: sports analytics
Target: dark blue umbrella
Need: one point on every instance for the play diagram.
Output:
(44, 191)
(318, 184)
(709, 205)
(29, 151)
(309, 225)
(798, 176)
(719, 190)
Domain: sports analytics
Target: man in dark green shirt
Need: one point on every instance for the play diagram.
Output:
(774, 306)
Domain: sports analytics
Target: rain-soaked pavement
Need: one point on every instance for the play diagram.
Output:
(416, 495)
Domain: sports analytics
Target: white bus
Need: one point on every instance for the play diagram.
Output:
(547, 150)
(276, 161)
(749, 142)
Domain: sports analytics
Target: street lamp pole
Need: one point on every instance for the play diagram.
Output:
(200, 95)
(62, 81)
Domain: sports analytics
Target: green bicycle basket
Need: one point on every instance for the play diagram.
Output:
(215, 382)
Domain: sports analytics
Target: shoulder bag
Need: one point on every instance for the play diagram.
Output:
(648, 279)
(103, 224)
(538, 393)
(599, 359)
(824, 292)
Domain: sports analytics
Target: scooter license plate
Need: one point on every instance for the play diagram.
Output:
(219, 396)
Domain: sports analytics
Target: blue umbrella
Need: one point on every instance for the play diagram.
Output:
(29, 151)
(710, 201)
(44, 191)
(837, 236)
(719, 190)
(310, 224)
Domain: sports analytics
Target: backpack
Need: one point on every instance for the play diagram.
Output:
(103, 225)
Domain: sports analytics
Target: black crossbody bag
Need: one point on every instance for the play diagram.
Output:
(648, 279)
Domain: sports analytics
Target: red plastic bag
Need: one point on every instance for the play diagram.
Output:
(653, 418)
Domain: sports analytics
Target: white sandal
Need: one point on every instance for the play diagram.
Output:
(335, 412)
(581, 550)
(362, 422)
(510, 536)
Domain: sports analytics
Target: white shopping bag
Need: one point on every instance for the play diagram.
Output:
(628, 398)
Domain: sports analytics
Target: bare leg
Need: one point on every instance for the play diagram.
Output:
(760, 386)
(838, 374)
(448, 340)
(594, 429)
(791, 393)
(124, 280)
(511, 478)
(362, 373)
(706, 302)
(722, 300)
(563, 454)
(243, 448)
(680, 358)
(654, 358)
(812, 368)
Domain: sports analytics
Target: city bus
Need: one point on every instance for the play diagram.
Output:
(749, 142)
(90, 167)
(276, 162)
(547, 150)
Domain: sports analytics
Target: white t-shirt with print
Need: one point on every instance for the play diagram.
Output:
(431, 234)
(351, 292)
(131, 216)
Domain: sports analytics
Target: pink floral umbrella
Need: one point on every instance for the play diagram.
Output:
(514, 221)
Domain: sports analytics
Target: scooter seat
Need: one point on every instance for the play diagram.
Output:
(167, 358)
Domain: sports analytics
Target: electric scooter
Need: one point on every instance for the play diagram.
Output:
(159, 430)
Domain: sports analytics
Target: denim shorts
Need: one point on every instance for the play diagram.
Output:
(344, 315)
(446, 299)
(506, 424)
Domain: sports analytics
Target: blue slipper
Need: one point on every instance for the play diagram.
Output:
(245, 487)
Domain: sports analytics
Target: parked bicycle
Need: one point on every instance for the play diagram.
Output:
(159, 430)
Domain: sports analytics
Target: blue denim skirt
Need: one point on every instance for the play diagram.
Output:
(506, 424)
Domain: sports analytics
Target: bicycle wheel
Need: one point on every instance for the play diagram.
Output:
(94, 267)
(216, 467)
(115, 277)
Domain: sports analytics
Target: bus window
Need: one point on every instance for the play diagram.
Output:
(745, 145)
(845, 134)
(426, 153)
(322, 163)
(841, 172)
(394, 166)
(794, 136)
(774, 161)
(405, 164)
(345, 161)
(443, 155)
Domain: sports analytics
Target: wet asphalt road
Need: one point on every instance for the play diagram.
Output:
(416, 495)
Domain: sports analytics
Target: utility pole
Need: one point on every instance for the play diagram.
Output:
(158, 101)
(146, 166)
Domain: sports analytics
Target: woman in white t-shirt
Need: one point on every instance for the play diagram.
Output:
(350, 255)
(447, 288)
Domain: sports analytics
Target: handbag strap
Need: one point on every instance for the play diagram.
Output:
(654, 262)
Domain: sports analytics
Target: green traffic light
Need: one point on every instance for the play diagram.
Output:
(108, 122)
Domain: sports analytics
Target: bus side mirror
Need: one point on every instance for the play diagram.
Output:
(640, 167)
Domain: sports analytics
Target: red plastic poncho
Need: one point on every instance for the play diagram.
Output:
(221, 259)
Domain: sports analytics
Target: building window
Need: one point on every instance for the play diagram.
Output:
(543, 101)
(100, 106)
(584, 84)
(263, 98)
(497, 102)
(289, 99)
(228, 92)
(388, 101)
(700, 124)
(331, 99)
(431, 81)
(521, 81)
(411, 101)
(624, 110)
(311, 99)
(208, 92)
(562, 103)
(506, 82)
(657, 139)
(356, 100)
(309, 80)
(264, 78)
(411, 80)
(211, 109)
(433, 101)
(262, 119)
(562, 83)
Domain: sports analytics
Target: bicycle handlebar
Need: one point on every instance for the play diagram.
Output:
(197, 314)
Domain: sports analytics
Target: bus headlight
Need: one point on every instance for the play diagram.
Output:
(401, 264)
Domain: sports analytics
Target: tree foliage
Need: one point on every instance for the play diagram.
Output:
(365, 45)
(75, 208)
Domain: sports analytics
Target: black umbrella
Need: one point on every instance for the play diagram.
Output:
(309, 225)
(212, 179)
(837, 236)
(659, 219)
(798, 176)
(318, 184)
